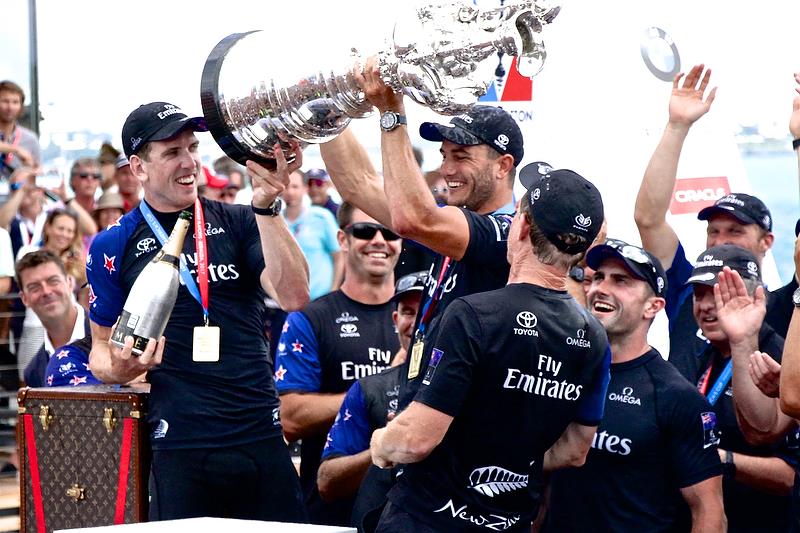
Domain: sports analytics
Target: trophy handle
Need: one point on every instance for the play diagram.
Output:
(209, 86)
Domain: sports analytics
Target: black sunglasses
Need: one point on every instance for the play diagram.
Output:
(366, 231)
(84, 175)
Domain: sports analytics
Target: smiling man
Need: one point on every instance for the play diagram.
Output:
(656, 444)
(337, 339)
(214, 411)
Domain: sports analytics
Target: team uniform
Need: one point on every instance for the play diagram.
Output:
(657, 436)
(326, 347)
(365, 408)
(218, 413)
(69, 365)
(484, 267)
(739, 499)
(514, 367)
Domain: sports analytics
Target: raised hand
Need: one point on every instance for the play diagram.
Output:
(740, 315)
(794, 120)
(269, 184)
(689, 100)
(377, 92)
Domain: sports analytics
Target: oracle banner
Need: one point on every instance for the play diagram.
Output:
(693, 194)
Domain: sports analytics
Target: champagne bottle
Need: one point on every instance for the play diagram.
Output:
(152, 297)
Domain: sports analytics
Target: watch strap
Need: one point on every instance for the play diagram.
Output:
(272, 211)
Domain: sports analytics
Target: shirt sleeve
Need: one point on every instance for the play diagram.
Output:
(691, 438)
(592, 403)
(103, 264)
(297, 365)
(453, 360)
(677, 275)
(69, 365)
(251, 239)
(488, 236)
(350, 432)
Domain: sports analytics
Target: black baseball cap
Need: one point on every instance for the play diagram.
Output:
(709, 264)
(640, 263)
(410, 283)
(482, 124)
(532, 172)
(743, 207)
(797, 228)
(156, 121)
(562, 201)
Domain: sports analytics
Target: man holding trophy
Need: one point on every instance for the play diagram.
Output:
(214, 411)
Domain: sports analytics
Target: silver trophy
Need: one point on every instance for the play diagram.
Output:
(442, 59)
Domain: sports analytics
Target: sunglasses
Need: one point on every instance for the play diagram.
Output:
(93, 175)
(634, 253)
(366, 231)
(316, 182)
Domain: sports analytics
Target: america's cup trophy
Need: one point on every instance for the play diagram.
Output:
(442, 59)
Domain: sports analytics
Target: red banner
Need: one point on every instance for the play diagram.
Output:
(693, 194)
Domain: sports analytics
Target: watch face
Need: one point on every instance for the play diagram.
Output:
(796, 297)
(388, 120)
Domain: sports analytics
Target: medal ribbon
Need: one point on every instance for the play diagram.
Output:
(186, 276)
(430, 305)
(202, 256)
(722, 382)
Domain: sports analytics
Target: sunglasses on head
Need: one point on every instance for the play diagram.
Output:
(84, 175)
(366, 231)
(628, 251)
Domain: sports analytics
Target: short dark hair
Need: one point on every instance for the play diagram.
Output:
(11, 87)
(344, 216)
(545, 250)
(35, 259)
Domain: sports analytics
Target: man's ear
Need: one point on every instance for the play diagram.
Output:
(137, 168)
(341, 237)
(653, 306)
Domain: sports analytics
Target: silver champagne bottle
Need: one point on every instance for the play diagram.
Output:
(152, 297)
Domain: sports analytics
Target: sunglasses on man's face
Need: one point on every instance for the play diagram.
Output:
(366, 231)
(316, 182)
(93, 175)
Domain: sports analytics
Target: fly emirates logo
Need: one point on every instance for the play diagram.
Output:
(215, 272)
(545, 382)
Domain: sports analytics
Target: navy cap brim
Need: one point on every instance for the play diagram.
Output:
(597, 254)
(797, 228)
(400, 295)
(173, 128)
(703, 278)
(533, 172)
(431, 131)
(710, 211)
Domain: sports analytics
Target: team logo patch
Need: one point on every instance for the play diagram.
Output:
(436, 356)
(491, 480)
(709, 421)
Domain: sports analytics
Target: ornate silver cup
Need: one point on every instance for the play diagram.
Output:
(441, 59)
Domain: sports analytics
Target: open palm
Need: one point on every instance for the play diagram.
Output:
(689, 101)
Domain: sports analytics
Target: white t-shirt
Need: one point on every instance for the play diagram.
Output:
(6, 255)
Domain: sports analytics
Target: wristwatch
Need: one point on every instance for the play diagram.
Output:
(390, 120)
(796, 297)
(272, 211)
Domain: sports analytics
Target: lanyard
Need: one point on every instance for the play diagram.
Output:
(722, 382)
(430, 305)
(200, 243)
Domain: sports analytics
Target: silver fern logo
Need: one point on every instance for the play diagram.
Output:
(491, 480)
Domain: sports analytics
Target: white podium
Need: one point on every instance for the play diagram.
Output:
(211, 525)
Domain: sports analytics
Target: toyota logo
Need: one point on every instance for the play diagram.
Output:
(145, 244)
(526, 319)
(627, 391)
(349, 328)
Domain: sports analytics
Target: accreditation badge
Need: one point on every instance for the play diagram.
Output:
(205, 344)
(416, 358)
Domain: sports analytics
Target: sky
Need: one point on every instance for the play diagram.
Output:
(98, 59)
